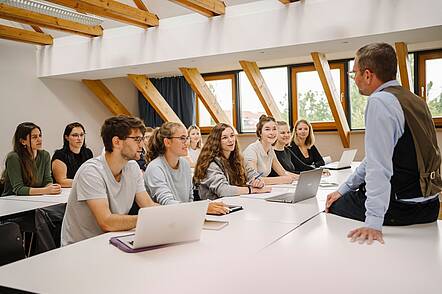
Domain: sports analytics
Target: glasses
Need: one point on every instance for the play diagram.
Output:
(183, 139)
(137, 139)
(75, 135)
(351, 74)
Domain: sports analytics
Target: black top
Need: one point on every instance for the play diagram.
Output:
(72, 160)
(286, 160)
(142, 162)
(302, 163)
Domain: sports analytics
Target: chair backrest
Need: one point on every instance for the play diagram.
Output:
(11, 245)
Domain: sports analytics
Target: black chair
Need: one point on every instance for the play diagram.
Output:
(11, 246)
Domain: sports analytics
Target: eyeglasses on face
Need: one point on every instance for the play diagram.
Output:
(81, 135)
(137, 139)
(183, 139)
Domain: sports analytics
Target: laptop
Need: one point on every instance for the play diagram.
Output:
(166, 224)
(345, 161)
(306, 188)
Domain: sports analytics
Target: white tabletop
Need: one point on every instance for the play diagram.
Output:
(60, 198)
(8, 207)
(95, 266)
(318, 258)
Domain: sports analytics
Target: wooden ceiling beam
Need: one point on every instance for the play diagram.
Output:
(333, 97)
(404, 65)
(140, 4)
(25, 36)
(113, 10)
(37, 29)
(208, 8)
(155, 99)
(258, 83)
(199, 86)
(32, 18)
(106, 97)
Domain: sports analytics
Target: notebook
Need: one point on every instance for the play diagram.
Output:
(166, 224)
(345, 161)
(306, 188)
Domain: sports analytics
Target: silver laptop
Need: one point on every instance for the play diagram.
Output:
(345, 161)
(306, 188)
(160, 225)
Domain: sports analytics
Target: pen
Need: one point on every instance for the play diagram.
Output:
(257, 177)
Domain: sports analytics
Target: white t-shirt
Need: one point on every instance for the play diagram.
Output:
(194, 154)
(255, 153)
(94, 180)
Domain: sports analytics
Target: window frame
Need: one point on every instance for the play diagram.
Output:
(215, 77)
(323, 126)
(423, 56)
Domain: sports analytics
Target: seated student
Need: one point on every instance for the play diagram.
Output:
(284, 155)
(220, 170)
(105, 187)
(28, 166)
(261, 157)
(142, 162)
(66, 161)
(28, 173)
(303, 147)
(168, 177)
(195, 144)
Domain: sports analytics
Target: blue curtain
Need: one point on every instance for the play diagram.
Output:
(180, 96)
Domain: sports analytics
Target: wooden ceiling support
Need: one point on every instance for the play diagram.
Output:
(155, 99)
(199, 86)
(258, 83)
(404, 65)
(105, 95)
(333, 97)
(21, 35)
(33, 18)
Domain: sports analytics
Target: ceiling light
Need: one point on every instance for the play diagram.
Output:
(56, 11)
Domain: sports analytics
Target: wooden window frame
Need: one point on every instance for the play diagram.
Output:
(422, 83)
(216, 77)
(323, 126)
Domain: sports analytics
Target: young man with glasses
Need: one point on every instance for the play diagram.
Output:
(105, 187)
(398, 181)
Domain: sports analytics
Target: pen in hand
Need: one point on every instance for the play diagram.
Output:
(255, 178)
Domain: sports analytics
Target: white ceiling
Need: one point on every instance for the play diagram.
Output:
(162, 8)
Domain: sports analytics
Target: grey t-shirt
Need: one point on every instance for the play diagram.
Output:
(94, 180)
(255, 152)
(167, 185)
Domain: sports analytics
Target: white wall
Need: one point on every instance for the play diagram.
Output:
(49, 103)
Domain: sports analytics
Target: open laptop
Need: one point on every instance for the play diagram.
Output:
(167, 224)
(345, 161)
(306, 188)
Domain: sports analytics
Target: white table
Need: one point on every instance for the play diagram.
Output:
(60, 198)
(318, 258)
(96, 266)
(9, 207)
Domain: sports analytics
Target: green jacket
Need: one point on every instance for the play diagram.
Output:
(13, 177)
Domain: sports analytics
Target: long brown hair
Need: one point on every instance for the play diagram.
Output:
(24, 152)
(193, 127)
(234, 165)
(156, 146)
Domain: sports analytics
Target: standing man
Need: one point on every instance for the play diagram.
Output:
(105, 187)
(398, 182)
